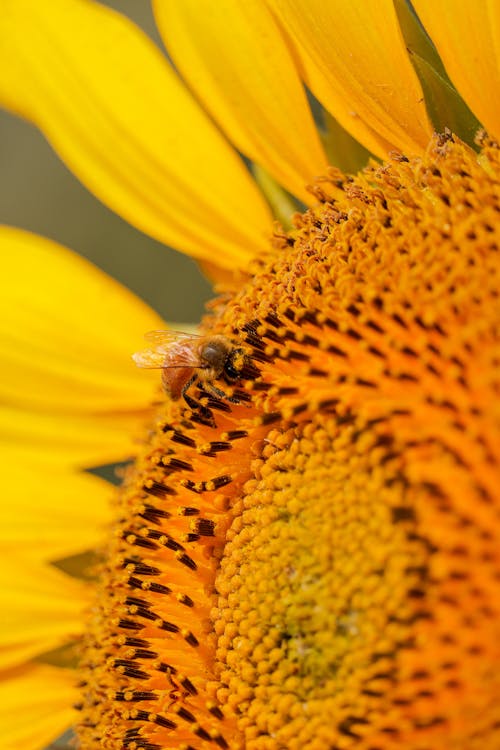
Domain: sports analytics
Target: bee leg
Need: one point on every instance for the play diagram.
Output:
(193, 404)
(186, 387)
(199, 412)
(218, 393)
(233, 399)
(212, 390)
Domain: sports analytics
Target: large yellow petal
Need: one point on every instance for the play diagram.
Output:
(355, 62)
(42, 608)
(36, 706)
(16, 654)
(48, 514)
(117, 114)
(69, 392)
(68, 441)
(67, 332)
(467, 37)
(235, 58)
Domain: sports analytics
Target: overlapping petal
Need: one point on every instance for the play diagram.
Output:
(67, 331)
(70, 393)
(355, 62)
(41, 606)
(117, 114)
(46, 714)
(68, 441)
(48, 513)
(234, 56)
(467, 37)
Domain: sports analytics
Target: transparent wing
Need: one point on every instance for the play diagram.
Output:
(149, 358)
(170, 349)
(170, 337)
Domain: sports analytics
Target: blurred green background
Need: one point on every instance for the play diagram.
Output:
(38, 193)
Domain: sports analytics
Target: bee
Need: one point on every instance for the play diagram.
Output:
(184, 358)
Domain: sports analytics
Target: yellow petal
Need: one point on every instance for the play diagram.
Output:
(355, 62)
(42, 608)
(117, 114)
(68, 441)
(467, 37)
(47, 514)
(67, 331)
(15, 654)
(69, 390)
(235, 58)
(36, 706)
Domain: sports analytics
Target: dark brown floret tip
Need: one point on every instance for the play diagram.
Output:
(342, 553)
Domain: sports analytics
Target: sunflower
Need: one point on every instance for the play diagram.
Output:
(304, 551)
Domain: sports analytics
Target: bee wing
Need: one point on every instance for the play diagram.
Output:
(149, 358)
(170, 349)
(170, 337)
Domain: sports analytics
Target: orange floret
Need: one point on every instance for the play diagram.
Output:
(311, 561)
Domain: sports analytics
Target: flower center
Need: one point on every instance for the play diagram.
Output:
(319, 584)
(308, 557)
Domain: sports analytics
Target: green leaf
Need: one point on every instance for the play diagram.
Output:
(445, 106)
(343, 151)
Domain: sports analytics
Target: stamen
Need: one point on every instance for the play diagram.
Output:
(337, 583)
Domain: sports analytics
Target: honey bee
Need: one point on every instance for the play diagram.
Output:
(184, 357)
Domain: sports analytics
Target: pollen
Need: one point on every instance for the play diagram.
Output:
(309, 557)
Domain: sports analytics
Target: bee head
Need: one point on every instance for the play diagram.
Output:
(214, 354)
(235, 362)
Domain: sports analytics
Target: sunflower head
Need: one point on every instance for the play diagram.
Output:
(303, 552)
(298, 549)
